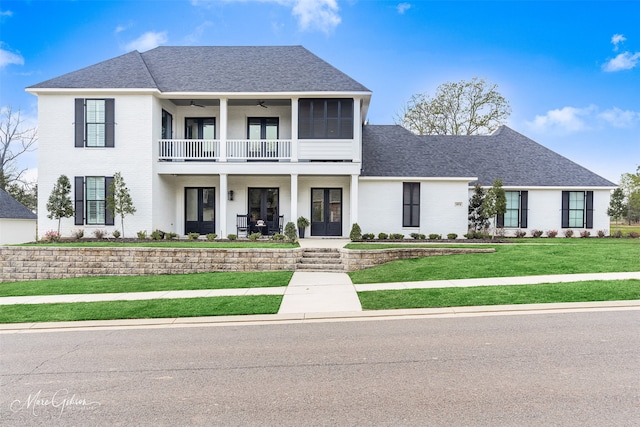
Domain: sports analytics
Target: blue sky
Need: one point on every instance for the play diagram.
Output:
(570, 70)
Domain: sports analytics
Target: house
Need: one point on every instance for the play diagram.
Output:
(17, 222)
(205, 137)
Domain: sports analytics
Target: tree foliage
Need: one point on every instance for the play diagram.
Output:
(630, 184)
(472, 107)
(59, 204)
(478, 220)
(617, 205)
(495, 203)
(119, 200)
(15, 140)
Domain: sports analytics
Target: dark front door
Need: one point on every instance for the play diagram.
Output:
(263, 205)
(326, 212)
(199, 210)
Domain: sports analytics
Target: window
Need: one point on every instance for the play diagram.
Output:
(411, 204)
(94, 122)
(325, 118)
(577, 209)
(516, 213)
(167, 125)
(261, 128)
(91, 200)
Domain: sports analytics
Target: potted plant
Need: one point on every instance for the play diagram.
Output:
(302, 224)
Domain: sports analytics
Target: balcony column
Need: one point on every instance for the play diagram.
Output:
(294, 129)
(222, 209)
(224, 123)
(357, 129)
(354, 200)
(294, 198)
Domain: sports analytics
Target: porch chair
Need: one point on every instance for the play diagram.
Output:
(277, 226)
(242, 225)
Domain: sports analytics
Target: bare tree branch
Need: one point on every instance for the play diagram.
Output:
(15, 140)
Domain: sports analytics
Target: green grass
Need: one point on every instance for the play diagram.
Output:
(172, 244)
(626, 229)
(159, 308)
(498, 295)
(103, 284)
(525, 257)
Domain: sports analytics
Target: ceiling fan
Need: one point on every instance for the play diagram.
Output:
(193, 104)
(261, 104)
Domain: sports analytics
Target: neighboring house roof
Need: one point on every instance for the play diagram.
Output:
(506, 154)
(212, 69)
(11, 208)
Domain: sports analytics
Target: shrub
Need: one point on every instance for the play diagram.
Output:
(601, 233)
(417, 236)
(536, 233)
(383, 236)
(356, 232)
(435, 236)
(99, 234)
(157, 235)
(585, 233)
(368, 236)
(396, 236)
(290, 232)
(142, 234)
(520, 233)
(633, 234)
(78, 234)
(211, 236)
(452, 236)
(116, 234)
(170, 236)
(477, 235)
(255, 236)
(617, 234)
(232, 236)
(552, 233)
(193, 236)
(568, 233)
(278, 237)
(51, 236)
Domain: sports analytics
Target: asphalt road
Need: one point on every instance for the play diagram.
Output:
(525, 370)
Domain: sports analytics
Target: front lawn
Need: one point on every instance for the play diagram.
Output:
(523, 257)
(111, 284)
(196, 244)
(499, 295)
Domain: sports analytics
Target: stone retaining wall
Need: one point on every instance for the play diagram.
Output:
(20, 263)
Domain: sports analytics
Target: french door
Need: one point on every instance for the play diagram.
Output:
(263, 205)
(199, 210)
(326, 212)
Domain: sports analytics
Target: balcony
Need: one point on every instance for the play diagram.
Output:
(204, 150)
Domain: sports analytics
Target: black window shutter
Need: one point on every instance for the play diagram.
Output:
(79, 200)
(589, 209)
(108, 213)
(109, 118)
(79, 123)
(500, 220)
(565, 209)
(524, 209)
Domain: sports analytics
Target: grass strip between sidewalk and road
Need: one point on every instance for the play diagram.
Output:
(116, 284)
(158, 308)
(588, 291)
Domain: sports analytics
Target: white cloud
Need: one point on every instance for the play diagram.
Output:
(616, 39)
(573, 119)
(7, 58)
(403, 7)
(624, 61)
(6, 13)
(311, 14)
(147, 41)
(197, 33)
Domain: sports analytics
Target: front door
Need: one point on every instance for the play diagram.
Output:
(199, 210)
(263, 205)
(326, 212)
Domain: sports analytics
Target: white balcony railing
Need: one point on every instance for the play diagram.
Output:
(209, 149)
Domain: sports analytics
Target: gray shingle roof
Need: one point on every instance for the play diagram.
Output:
(505, 154)
(11, 208)
(213, 69)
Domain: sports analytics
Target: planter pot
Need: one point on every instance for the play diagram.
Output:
(301, 233)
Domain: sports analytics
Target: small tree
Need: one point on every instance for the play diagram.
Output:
(495, 203)
(617, 206)
(478, 220)
(59, 204)
(290, 232)
(119, 200)
(356, 232)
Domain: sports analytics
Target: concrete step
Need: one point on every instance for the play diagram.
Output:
(325, 259)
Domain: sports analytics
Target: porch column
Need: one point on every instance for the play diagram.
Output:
(294, 198)
(357, 129)
(294, 129)
(354, 200)
(224, 123)
(222, 210)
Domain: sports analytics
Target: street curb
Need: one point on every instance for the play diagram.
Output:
(265, 319)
